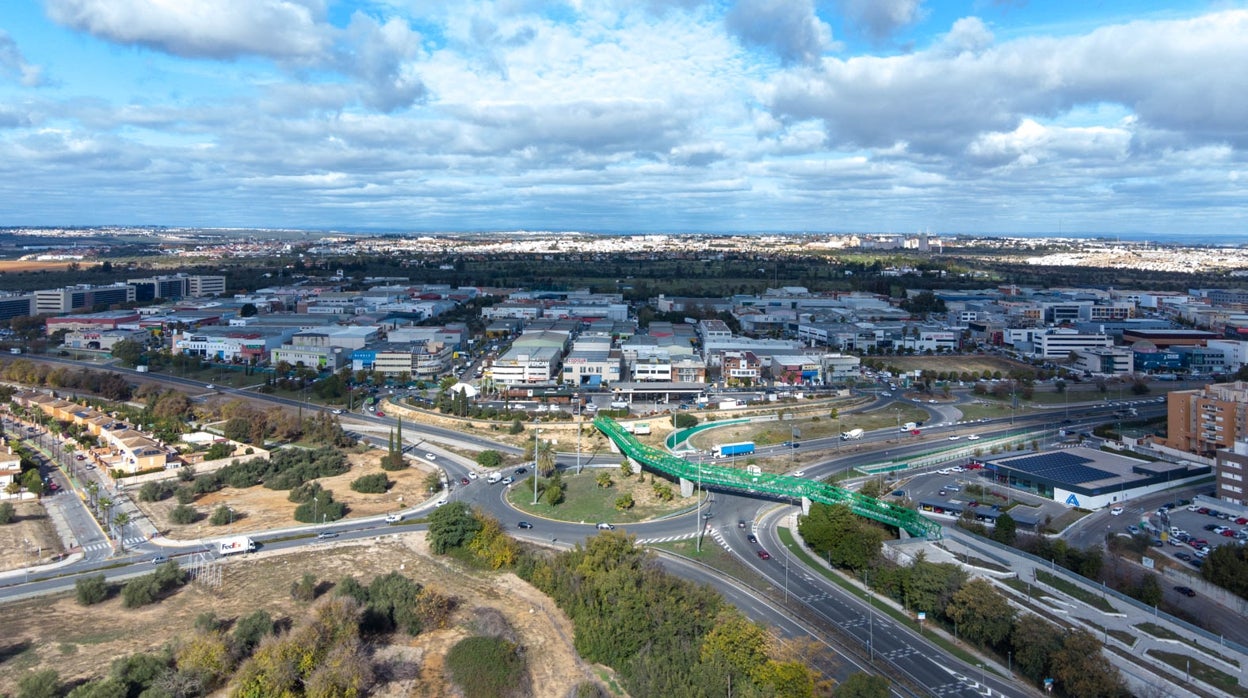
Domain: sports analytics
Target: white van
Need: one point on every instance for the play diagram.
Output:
(493, 478)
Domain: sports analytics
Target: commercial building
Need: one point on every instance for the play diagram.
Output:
(1089, 478)
(56, 301)
(1110, 361)
(96, 322)
(1058, 344)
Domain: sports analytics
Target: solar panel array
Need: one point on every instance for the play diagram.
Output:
(1059, 467)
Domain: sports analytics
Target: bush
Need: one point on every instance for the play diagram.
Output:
(91, 590)
(486, 666)
(393, 461)
(156, 491)
(320, 509)
(140, 592)
(222, 516)
(683, 420)
(377, 483)
(304, 589)
(183, 514)
(40, 684)
(185, 494)
(305, 492)
(489, 459)
(7, 513)
(250, 630)
(517, 427)
(219, 450)
(186, 474)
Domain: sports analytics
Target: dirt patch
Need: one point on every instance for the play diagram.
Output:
(29, 539)
(81, 642)
(260, 509)
(972, 364)
(20, 265)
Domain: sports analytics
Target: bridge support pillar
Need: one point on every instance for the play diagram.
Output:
(636, 466)
(686, 487)
(805, 506)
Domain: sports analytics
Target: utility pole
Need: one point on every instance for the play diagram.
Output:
(536, 446)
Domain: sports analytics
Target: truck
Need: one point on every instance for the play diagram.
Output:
(851, 435)
(742, 448)
(493, 478)
(235, 544)
(909, 426)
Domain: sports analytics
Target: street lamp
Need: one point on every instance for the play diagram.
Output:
(536, 446)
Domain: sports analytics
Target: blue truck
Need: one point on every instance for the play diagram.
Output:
(738, 449)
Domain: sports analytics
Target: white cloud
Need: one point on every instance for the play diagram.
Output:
(1181, 77)
(285, 29)
(14, 65)
(880, 18)
(789, 28)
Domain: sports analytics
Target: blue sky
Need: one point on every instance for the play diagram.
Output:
(627, 115)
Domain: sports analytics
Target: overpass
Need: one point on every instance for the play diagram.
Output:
(764, 484)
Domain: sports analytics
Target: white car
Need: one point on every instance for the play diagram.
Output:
(430, 456)
(472, 475)
(337, 411)
(1116, 511)
(955, 437)
(508, 480)
(800, 473)
(394, 518)
(972, 437)
(440, 502)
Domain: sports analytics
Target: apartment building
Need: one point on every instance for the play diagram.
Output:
(1231, 467)
(1205, 420)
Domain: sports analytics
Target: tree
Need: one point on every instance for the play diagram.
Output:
(128, 352)
(120, 520)
(838, 535)
(544, 458)
(451, 526)
(1081, 670)
(1035, 641)
(183, 514)
(982, 614)
(7, 513)
(375, 483)
(1005, 529)
(32, 482)
(91, 590)
(862, 685)
(250, 630)
(222, 516)
(603, 479)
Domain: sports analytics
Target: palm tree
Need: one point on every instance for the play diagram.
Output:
(120, 520)
(104, 505)
(93, 490)
(544, 459)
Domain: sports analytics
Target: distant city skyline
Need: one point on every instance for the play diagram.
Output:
(991, 117)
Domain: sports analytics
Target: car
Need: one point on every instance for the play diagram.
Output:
(379, 413)
(325, 535)
(973, 437)
(464, 481)
(752, 538)
(1133, 529)
(1156, 543)
(508, 480)
(764, 555)
(797, 444)
(897, 493)
(942, 493)
(210, 386)
(89, 466)
(520, 471)
(1212, 527)
(1183, 556)
(524, 524)
(953, 488)
(159, 559)
(430, 456)
(440, 502)
(955, 437)
(604, 526)
(915, 432)
(80, 457)
(1116, 511)
(1202, 510)
(799, 473)
(337, 411)
(394, 518)
(472, 475)
(973, 503)
(1241, 521)
(1229, 533)
(707, 514)
(741, 523)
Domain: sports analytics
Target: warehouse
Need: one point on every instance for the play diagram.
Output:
(1089, 478)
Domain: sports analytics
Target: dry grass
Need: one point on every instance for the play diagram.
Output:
(80, 642)
(20, 265)
(975, 364)
(260, 509)
(21, 541)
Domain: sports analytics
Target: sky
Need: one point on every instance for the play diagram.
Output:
(975, 116)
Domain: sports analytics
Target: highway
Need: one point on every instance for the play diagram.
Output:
(885, 641)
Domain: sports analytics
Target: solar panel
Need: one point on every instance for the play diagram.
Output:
(1062, 466)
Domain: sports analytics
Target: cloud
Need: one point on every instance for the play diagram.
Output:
(1180, 77)
(788, 28)
(379, 55)
(14, 65)
(881, 18)
(283, 29)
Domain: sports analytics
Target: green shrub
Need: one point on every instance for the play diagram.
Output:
(250, 630)
(183, 514)
(156, 491)
(91, 590)
(140, 592)
(45, 683)
(219, 450)
(376, 483)
(393, 461)
(489, 459)
(320, 509)
(304, 589)
(185, 494)
(7, 513)
(221, 516)
(305, 492)
(486, 666)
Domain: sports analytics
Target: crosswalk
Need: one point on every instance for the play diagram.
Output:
(107, 545)
(666, 539)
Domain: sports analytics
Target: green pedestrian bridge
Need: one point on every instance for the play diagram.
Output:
(764, 485)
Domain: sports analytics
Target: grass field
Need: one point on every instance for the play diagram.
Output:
(586, 502)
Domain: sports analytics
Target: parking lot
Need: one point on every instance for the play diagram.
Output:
(1190, 531)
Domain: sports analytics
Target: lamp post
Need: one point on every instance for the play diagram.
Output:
(536, 445)
(697, 520)
(577, 397)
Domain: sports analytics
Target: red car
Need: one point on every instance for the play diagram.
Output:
(763, 554)
(380, 413)
(464, 481)
(1228, 533)
(915, 432)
